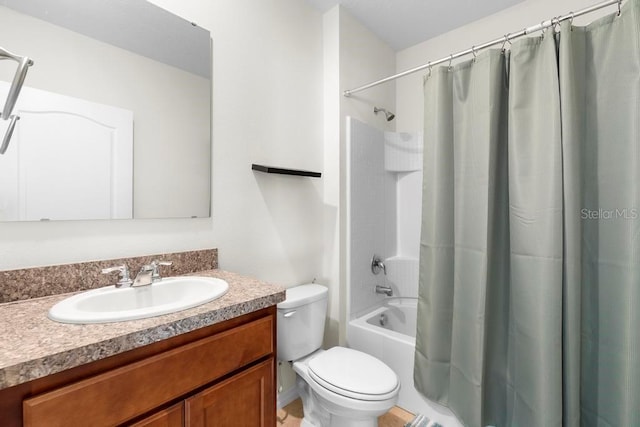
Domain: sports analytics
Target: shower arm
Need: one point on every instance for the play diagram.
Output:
(18, 80)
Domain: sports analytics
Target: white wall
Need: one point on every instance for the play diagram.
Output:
(409, 98)
(267, 102)
(363, 58)
(353, 56)
(332, 152)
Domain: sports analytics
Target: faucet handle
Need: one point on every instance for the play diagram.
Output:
(377, 265)
(156, 262)
(125, 279)
(155, 265)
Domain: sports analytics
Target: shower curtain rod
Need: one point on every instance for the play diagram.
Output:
(504, 39)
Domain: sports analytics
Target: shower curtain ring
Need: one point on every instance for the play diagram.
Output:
(504, 43)
(450, 59)
(571, 16)
(473, 51)
(429, 66)
(619, 7)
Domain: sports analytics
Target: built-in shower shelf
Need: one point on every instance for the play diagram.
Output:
(284, 171)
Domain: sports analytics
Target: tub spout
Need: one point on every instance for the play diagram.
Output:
(386, 290)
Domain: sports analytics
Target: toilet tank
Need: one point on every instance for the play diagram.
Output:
(301, 318)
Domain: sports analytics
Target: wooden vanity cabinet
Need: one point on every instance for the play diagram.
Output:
(221, 375)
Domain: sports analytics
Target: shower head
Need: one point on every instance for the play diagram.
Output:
(388, 114)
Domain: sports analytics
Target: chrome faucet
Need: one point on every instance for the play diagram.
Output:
(386, 290)
(377, 265)
(144, 276)
(149, 273)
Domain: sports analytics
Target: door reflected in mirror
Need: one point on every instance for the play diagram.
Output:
(115, 113)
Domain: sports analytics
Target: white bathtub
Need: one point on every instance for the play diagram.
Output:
(389, 333)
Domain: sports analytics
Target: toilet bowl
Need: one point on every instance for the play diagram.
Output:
(339, 387)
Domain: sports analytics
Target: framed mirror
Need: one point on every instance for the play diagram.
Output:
(115, 112)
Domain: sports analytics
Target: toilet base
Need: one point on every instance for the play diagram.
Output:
(316, 415)
(325, 409)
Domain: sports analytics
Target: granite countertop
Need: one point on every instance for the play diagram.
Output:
(33, 346)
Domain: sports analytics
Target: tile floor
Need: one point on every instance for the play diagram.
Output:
(291, 416)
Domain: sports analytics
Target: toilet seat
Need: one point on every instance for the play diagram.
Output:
(353, 374)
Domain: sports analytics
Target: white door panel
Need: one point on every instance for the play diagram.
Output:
(68, 159)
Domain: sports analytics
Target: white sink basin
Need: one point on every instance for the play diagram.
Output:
(111, 304)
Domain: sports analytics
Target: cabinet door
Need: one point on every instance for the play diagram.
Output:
(247, 399)
(170, 417)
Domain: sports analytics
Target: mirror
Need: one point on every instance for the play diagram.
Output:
(115, 112)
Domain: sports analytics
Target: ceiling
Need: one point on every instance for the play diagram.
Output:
(404, 23)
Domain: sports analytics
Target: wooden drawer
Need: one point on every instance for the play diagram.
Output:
(119, 395)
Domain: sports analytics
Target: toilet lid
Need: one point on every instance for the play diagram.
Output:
(353, 374)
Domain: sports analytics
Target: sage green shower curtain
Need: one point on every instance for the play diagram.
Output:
(529, 297)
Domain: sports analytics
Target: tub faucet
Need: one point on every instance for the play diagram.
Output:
(386, 290)
(377, 265)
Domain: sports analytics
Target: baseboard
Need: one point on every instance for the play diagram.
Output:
(287, 396)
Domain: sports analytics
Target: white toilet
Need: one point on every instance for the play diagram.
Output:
(339, 387)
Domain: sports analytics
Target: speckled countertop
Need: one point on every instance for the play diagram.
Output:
(32, 346)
